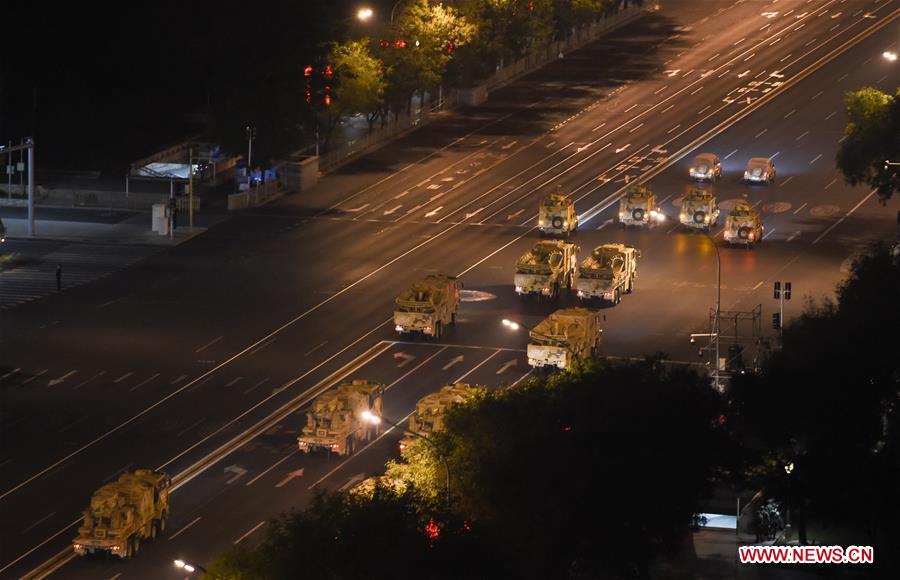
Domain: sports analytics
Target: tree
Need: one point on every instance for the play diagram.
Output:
(356, 86)
(825, 406)
(341, 536)
(563, 473)
(871, 140)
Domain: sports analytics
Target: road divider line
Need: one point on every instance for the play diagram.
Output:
(256, 527)
(184, 528)
(273, 466)
(142, 383)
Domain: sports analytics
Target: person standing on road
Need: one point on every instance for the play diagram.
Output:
(59, 277)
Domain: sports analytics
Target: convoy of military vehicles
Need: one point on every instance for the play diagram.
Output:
(133, 509)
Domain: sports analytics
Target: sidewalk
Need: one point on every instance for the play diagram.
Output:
(135, 230)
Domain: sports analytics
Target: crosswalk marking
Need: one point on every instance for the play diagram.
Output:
(81, 264)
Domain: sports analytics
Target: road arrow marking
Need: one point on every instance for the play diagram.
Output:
(659, 149)
(290, 476)
(407, 358)
(512, 215)
(474, 213)
(672, 73)
(454, 361)
(743, 74)
(620, 149)
(507, 365)
(360, 208)
(508, 145)
(237, 471)
(434, 212)
(61, 379)
(393, 209)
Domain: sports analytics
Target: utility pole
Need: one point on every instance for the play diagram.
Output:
(27, 144)
(251, 135)
(191, 187)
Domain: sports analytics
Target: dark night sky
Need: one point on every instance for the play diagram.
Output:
(113, 84)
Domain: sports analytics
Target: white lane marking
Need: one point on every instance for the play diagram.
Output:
(758, 135)
(434, 212)
(256, 527)
(837, 223)
(507, 365)
(749, 57)
(796, 211)
(830, 115)
(787, 57)
(743, 74)
(730, 154)
(399, 195)
(672, 106)
(233, 381)
(476, 367)
(116, 576)
(830, 183)
(629, 108)
(57, 381)
(83, 383)
(142, 383)
(238, 472)
(703, 110)
(273, 466)
(598, 126)
(315, 348)
(657, 91)
(209, 344)
(623, 148)
(793, 236)
(776, 41)
(454, 361)
(772, 231)
(605, 223)
(816, 158)
(842, 77)
(105, 304)
(713, 57)
(260, 383)
(184, 528)
(758, 284)
(289, 477)
(774, 155)
(37, 523)
(697, 90)
(520, 379)
(10, 373)
(260, 347)
(508, 145)
(32, 377)
(353, 481)
(802, 135)
(178, 380)
(786, 181)
(393, 209)
(122, 378)
(359, 209)
(789, 114)
(739, 41)
(512, 215)
(728, 70)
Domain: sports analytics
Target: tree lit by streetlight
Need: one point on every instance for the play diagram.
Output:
(364, 14)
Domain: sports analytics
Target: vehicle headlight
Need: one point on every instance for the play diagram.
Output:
(565, 224)
(682, 215)
(542, 222)
(580, 293)
(706, 218)
(398, 328)
(621, 215)
(746, 174)
(692, 169)
(518, 288)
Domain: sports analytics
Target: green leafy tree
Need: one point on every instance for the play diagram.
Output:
(825, 405)
(564, 472)
(356, 87)
(872, 141)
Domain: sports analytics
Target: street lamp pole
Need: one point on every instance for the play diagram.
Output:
(373, 418)
(394, 8)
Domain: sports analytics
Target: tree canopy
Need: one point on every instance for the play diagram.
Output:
(872, 141)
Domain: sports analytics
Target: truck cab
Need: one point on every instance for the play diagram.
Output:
(428, 306)
(608, 273)
(563, 338)
(548, 267)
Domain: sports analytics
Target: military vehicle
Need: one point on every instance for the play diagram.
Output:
(557, 215)
(699, 210)
(638, 208)
(760, 170)
(743, 225)
(429, 415)
(546, 268)
(335, 421)
(123, 513)
(428, 306)
(608, 273)
(706, 167)
(565, 336)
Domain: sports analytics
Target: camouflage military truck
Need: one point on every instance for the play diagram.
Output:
(699, 210)
(608, 273)
(428, 306)
(743, 225)
(123, 513)
(335, 422)
(557, 215)
(564, 337)
(429, 415)
(548, 267)
(638, 208)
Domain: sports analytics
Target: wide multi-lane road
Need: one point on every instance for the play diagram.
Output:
(200, 360)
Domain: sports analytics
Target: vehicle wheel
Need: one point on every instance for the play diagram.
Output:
(617, 297)
(569, 282)
(154, 529)
(438, 330)
(129, 548)
(162, 523)
(453, 318)
(137, 546)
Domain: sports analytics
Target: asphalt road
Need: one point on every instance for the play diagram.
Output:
(196, 351)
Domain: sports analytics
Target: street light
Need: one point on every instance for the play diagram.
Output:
(375, 419)
(191, 568)
(364, 14)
